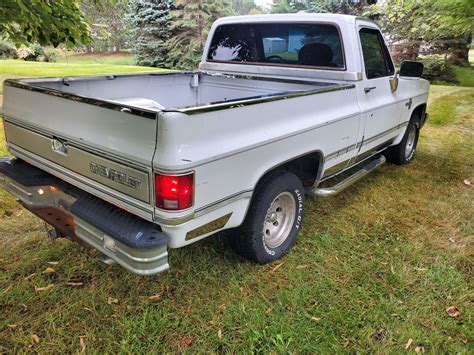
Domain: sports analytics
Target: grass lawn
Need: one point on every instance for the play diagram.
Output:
(77, 65)
(373, 268)
(112, 58)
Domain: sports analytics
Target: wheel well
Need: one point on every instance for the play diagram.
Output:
(418, 112)
(308, 168)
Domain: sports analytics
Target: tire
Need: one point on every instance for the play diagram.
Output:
(404, 152)
(273, 219)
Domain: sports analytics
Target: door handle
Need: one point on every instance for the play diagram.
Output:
(369, 89)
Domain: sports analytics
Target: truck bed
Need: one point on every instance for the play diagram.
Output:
(188, 92)
(82, 128)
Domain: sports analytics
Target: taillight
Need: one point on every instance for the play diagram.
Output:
(174, 192)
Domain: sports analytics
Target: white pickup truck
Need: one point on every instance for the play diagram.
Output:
(135, 165)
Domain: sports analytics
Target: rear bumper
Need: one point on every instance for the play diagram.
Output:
(137, 245)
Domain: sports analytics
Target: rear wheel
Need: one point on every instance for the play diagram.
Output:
(404, 152)
(273, 219)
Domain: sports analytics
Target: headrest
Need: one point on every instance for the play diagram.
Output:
(316, 54)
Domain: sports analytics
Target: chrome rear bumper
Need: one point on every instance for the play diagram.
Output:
(137, 245)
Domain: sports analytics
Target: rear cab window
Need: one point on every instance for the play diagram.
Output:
(288, 44)
(377, 59)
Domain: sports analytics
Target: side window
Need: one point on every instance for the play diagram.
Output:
(376, 57)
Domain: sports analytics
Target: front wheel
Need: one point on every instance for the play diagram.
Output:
(404, 152)
(273, 219)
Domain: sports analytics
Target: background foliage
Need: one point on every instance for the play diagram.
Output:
(172, 33)
(43, 21)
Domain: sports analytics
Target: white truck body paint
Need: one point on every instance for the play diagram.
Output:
(229, 123)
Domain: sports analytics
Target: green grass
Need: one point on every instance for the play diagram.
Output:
(22, 69)
(373, 267)
(119, 58)
(448, 107)
(465, 76)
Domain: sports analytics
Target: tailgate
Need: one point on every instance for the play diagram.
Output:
(103, 145)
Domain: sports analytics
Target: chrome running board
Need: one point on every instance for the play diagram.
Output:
(359, 174)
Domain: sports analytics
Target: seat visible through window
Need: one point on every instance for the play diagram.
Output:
(316, 54)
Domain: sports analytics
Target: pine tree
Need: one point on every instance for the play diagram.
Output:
(192, 20)
(150, 21)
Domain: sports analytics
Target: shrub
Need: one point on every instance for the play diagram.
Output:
(49, 55)
(23, 52)
(7, 51)
(436, 69)
(33, 53)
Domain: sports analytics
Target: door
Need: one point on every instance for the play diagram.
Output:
(380, 106)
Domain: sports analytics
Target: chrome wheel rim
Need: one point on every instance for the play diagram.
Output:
(279, 220)
(410, 146)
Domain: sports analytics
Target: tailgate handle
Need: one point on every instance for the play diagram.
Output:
(58, 146)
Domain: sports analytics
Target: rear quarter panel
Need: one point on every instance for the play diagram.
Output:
(230, 150)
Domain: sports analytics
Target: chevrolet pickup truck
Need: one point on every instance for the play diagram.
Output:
(136, 165)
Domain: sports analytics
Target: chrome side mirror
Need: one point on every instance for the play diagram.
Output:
(394, 82)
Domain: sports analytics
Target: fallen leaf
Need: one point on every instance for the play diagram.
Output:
(185, 341)
(49, 270)
(419, 349)
(408, 344)
(395, 315)
(35, 338)
(277, 267)
(82, 344)
(74, 284)
(53, 262)
(219, 334)
(155, 297)
(467, 182)
(30, 276)
(315, 318)
(211, 322)
(38, 289)
(11, 326)
(464, 340)
(453, 311)
(112, 300)
(451, 240)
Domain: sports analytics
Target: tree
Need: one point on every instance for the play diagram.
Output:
(107, 23)
(150, 21)
(191, 21)
(45, 22)
(437, 24)
(348, 7)
(244, 7)
(353, 7)
(288, 6)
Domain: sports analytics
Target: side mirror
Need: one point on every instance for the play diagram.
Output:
(411, 69)
(394, 82)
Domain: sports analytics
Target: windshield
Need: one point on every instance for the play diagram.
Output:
(295, 44)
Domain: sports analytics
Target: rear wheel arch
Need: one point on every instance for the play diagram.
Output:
(307, 167)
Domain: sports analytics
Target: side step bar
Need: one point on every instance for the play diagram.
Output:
(359, 174)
